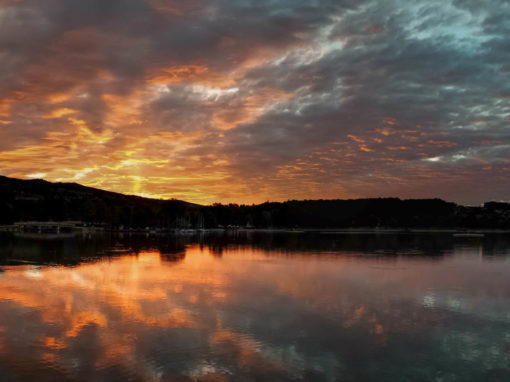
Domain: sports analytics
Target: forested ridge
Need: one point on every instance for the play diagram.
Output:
(39, 200)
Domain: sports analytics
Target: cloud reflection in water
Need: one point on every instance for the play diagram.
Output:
(256, 314)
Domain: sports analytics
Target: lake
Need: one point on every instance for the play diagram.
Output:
(255, 306)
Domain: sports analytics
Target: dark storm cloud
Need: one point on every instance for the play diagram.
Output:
(289, 98)
(439, 88)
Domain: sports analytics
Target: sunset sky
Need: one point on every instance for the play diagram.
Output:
(247, 101)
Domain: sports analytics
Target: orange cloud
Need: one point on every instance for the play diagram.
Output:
(197, 74)
(442, 143)
(175, 7)
(58, 113)
(355, 138)
(389, 120)
(385, 131)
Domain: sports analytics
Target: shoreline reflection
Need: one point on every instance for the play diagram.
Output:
(241, 308)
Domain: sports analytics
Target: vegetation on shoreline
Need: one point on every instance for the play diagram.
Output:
(29, 200)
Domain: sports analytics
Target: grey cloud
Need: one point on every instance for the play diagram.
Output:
(439, 71)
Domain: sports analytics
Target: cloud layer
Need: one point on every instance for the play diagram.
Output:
(249, 101)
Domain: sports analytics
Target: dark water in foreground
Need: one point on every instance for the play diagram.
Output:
(255, 307)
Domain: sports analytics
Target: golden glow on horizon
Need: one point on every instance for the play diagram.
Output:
(128, 153)
(84, 128)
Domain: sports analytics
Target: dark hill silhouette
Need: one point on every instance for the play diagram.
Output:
(39, 200)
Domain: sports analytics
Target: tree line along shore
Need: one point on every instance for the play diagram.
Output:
(41, 201)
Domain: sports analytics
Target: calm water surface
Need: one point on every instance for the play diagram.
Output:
(255, 307)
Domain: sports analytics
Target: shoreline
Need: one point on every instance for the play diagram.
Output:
(323, 231)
